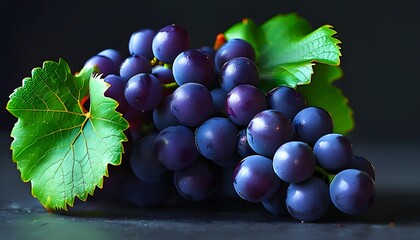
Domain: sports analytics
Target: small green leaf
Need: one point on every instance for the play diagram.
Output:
(287, 48)
(322, 93)
(60, 147)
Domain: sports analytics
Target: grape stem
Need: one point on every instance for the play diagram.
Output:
(170, 85)
(324, 174)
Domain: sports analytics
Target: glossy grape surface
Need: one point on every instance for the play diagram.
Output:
(352, 191)
(333, 151)
(140, 43)
(267, 131)
(193, 65)
(311, 123)
(243, 102)
(308, 200)
(294, 162)
(216, 138)
(174, 148)
(143, 92)
(254, 179)
(170, 41)
(191, 104)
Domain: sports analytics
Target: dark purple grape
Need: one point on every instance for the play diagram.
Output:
(193, 65)
(170, 41)
(143, 162)
(143, 91)
(231, 49)
(191, 104)
(267, 131)
(174, 148)
(140, 43)
(242, 145)
(308, 200)
(286, 100)
(362, 164)
(112, 54)
(333, 151)
(352, 191)
(254, 179)
(103, 64)
(197, 182)
(133, 65)
(243, 102)
(162, 116)
(116, 91)
(294, 162)
(237, 71)
(216, 137)
(311, 123)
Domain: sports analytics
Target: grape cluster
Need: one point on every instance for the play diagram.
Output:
(200, 126)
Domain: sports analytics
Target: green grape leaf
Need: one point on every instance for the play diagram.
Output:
(287, 48)
(59, 146)
(322, 93)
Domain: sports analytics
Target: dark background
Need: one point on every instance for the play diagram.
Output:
(380, 45)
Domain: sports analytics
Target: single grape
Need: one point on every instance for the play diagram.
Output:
(162, 116)
(197, 182)
(116, 91)
(170, 41)
(174, 148)
(276, 205)
(267, 131)
(140, 43)
(219, 99)
(362, 164)
(243, 102)
(242, 145)
(333, 151)
(286, 100)
(191, 104)
(193, 65)
(311, 123)
(133, 65)
(231, 49)
(103, 64)
(237, 71)
(143, 91)
(112, 54)
(352, 191)
(294, 162)
(308, 200)
(216, 137)
(254, 179)
(143, 162)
